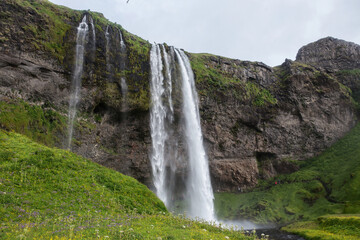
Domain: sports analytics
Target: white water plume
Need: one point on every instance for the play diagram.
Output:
(157, 124)
(199, 189)
(82, 31)
(198, 186)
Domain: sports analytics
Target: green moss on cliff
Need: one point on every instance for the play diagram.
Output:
(137, 74)
(50, 26)
(213, 81)
(351, 72)
(349, 76)
(259, 96)
(136, 70)
(212, 78)
(41, 124)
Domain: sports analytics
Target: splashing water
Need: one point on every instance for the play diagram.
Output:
(82, 31)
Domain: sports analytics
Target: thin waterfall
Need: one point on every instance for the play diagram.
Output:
(166, 68)
(167, 59)
(124, 86)
(82, 31)
(93, 33)
(107, 50)
(199, 189)
(122, 44)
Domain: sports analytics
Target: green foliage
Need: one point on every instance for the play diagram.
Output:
(351, 72)
(332, 227)
(48, 193)
(326, 184)
(136, 71)
(259, 96)
(138, 55)
(213, 81)
(41, 124)
(51, 35)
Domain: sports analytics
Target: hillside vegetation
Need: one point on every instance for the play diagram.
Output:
(335, 227)
(48, 193)
(326, 184)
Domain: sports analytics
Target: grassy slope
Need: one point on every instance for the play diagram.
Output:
(327, 184)
(38, 123)
(337, 227)
(46, 192)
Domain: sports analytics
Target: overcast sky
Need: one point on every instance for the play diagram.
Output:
(258, 30)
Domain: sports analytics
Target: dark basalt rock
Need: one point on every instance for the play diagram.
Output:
(330, 54)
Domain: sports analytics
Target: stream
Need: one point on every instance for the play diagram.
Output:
(273, 231)
(277, 234)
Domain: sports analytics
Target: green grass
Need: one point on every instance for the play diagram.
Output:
(332, 227)
(327, 184)
(41, 124)
(48, 193)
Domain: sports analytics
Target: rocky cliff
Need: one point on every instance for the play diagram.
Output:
(257, 121)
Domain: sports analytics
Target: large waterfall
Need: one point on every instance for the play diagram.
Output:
(199, 188)
(157, 124)
(165, 69)
(82, 31)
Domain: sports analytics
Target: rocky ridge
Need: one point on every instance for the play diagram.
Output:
(257, 121)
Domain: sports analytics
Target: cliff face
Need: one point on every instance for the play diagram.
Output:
(257, 121)
(250, 136)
